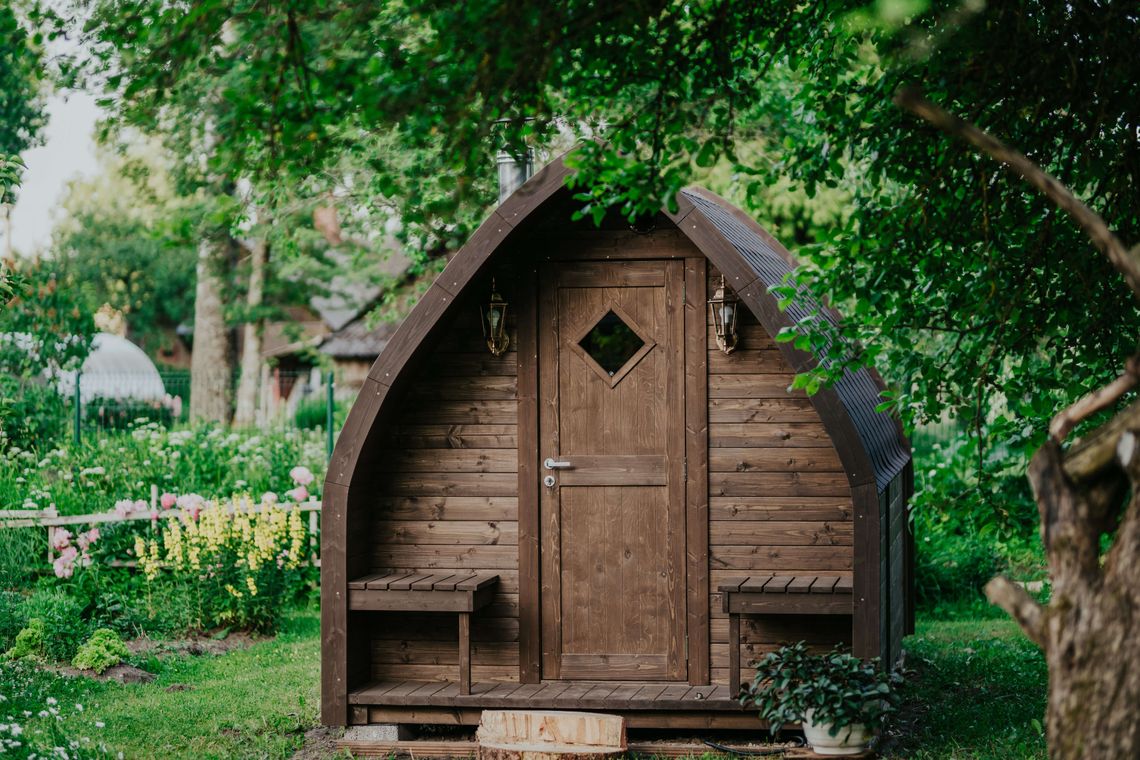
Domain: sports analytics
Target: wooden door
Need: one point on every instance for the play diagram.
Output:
(611, 364)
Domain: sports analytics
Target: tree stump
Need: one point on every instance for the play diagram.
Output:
(549, 735)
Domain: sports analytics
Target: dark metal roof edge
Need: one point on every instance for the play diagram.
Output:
(858, 391)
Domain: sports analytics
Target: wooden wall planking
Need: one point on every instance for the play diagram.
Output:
(779, 499)
(446, 498)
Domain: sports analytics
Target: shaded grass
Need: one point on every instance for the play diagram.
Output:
(976, 689)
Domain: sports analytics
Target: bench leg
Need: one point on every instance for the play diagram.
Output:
(734, 653)
(464, 652)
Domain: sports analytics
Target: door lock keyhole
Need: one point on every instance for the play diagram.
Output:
(548, 481)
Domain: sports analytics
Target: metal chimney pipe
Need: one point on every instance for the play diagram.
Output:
(513, 172)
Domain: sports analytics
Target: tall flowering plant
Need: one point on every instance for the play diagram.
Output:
(240, 561)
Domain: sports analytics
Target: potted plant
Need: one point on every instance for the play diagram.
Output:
(840, 700)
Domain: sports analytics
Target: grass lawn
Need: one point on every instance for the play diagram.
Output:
(254, 702)
(976, 690)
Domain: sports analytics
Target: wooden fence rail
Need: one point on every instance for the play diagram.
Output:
(33, 518)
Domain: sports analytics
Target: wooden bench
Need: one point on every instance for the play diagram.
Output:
(462, 593)
(779, 595)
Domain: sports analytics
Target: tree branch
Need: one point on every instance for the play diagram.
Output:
(1102, 398)
(1023, 608)
(1087, 459)
(1127, 262)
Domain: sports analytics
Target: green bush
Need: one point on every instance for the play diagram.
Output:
(974, 517)
(101, 651)
(12, 617)
(21, 552)
(311, 414)
(213, 462)
(62, 618)
(30, 642)
(952, 567)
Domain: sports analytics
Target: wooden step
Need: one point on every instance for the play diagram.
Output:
(549, 735)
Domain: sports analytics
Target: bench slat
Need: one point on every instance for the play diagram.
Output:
(755, 584)
(362, 582)
(824, 584)
(801, 584)
(405, 584)
(451, 583)
(478, 582)
(778, 584)
(428, 583)
(844, 586)
(382, 584)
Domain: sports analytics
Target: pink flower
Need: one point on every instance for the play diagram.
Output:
(85, 540)
(154, 515)
(298, 494)
(123, 508)
(168, 500)
(302, 476)
(60, 539)
(64, 564)
(269, 497)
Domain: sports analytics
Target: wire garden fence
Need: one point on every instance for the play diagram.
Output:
(107, 402)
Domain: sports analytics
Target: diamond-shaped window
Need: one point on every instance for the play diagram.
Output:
(611, 343)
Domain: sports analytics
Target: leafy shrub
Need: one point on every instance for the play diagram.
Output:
(98, 472)
(949, 567)
(837, 687)
(30, 642)
(101, 651)
(62, 618)
(240, 563)
(20, 551)
(311, 414)
(12, 617)
(974, 516)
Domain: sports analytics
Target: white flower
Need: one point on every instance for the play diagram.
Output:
(301, 475)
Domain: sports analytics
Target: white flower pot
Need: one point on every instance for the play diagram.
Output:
(850, 740)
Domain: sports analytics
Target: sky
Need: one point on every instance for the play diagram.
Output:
(69, 152)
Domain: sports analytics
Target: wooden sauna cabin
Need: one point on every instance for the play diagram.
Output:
(586, 517)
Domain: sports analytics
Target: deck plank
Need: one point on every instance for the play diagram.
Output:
(554, 695)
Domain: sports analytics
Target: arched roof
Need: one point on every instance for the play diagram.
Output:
(115, 369)
(858, 391)
(870, 443)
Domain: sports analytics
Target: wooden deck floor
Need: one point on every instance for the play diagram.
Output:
(553, 695)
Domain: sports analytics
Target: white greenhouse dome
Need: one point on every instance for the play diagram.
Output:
(115, 369)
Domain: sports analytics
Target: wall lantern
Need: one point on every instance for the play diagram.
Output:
(723, 305)
(494, 320)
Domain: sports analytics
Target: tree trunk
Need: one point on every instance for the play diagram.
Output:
(210, 363)
(1090, 630)
(248, 384)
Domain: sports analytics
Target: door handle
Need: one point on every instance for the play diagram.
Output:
(553, 464)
